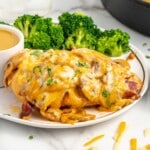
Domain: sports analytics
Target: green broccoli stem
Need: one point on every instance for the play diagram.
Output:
(26, 29)
(79, 38)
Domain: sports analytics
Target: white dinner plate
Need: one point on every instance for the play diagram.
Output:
(9, 105)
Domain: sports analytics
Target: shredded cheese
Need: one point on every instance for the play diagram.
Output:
(133, 144)
(116, 146)
(147, 132)
(92, 148)
(91, 141)
(120, 131)
(147, 147)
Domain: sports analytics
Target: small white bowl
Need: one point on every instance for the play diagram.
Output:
(7, 53)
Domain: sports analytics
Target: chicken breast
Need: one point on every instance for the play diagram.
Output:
(61, 83)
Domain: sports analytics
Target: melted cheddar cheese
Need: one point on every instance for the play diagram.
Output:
(61, 84)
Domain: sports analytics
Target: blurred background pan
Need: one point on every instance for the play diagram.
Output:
(133, 13)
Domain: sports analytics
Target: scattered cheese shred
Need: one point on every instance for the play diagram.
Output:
(133, 144)
(147, 147)
(121, 129)
(92, 148)
(94, 140)
(147, 132)
(116, 146)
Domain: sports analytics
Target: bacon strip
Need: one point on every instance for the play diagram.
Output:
(26, 110)
(132, 91)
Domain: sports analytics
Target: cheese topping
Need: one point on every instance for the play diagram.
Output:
(66, 82)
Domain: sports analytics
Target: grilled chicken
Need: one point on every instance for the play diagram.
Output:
(61, 84)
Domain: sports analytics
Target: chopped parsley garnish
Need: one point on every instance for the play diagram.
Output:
(148, 57)
(36, 52)
(30, 137)
(144, 44)
(37, 68)
(51, 81)
(51, 54)
(7, 114)
(49, 70)
(83, 64)
(105, 93)
(77, 72)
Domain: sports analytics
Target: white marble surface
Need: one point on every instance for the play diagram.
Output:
(15, 137)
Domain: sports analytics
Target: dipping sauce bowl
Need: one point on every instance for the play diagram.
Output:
(11, 42)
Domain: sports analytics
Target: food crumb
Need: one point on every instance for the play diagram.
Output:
(30, 137)
(7, 114)
(147, 56)
(144, 44)
(131, 56)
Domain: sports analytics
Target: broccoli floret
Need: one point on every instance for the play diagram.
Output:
(79, 30)
(41, 24)
(25, 24)
(40, 32)
(81, 38)
(53, 38)
(113, 42)
(40, 40)
(74, 30)
(27, 43)
(72, 21)
(57, 37)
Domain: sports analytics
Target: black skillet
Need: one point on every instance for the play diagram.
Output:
(133, 13)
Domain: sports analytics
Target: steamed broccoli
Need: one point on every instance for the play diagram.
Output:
(81, 38)
(40, 40)
(79, 30)
(40, 32)
(72, 21)
(25, 23)
(113, 42)
(74, 30)
(57, 36)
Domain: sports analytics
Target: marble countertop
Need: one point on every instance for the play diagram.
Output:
(19, 137)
